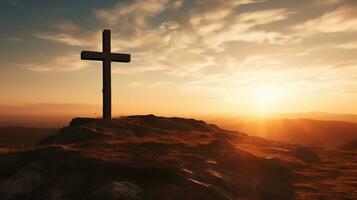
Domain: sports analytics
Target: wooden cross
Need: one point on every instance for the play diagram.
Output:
(106, 57)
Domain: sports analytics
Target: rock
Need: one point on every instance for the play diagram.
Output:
(171, 123)
(86, 129)
(305, 154)
(79, 121)
(72, 134)
(22, 182)
(118, 190)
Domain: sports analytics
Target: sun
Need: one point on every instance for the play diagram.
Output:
(267, 97)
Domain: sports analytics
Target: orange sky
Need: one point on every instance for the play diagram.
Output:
(188, 57)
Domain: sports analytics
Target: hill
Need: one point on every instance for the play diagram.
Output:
(328, 134)
(317, 116)
(23, 137)
(150, 157)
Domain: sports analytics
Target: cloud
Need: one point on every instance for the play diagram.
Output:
(69, 33)
(347, 64)
(252, 19)
(132, 22)
(183, 45)
(327, 2)
(133, 14)
(180, 45)
(218, 50)
(192, 40)
(342, 19)
(149, 85)
(242, 27)
(352, 45)
(66, 62)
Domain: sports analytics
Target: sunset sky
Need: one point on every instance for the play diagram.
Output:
(188, 56)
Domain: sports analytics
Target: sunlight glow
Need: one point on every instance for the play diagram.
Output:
(267, 97)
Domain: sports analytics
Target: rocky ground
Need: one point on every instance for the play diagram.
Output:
(149, 157)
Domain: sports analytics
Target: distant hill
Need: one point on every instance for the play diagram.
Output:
(329, 134)
(317, 116)
(33, 121)
(23, 136)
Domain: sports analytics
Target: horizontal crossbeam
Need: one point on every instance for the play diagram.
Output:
(92, 55)
(120, 57)
(115, 57)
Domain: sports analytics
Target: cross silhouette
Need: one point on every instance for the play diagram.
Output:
(106, 57)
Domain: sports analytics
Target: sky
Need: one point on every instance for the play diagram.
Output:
(188, 56)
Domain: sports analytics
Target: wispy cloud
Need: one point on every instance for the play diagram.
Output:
(192, 40)
(69, 33)
(342, 19)
(352, 45)
(241, 28)
(66, 62)
(149, 85)
(207, 28)
(251, 19)
(327, 2)
(134, 14)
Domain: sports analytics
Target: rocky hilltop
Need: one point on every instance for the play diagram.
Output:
(150, 157)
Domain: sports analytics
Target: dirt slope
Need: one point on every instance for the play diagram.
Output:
(149, 157)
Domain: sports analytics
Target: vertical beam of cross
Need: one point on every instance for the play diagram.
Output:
(107, 91)
(106, 57)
